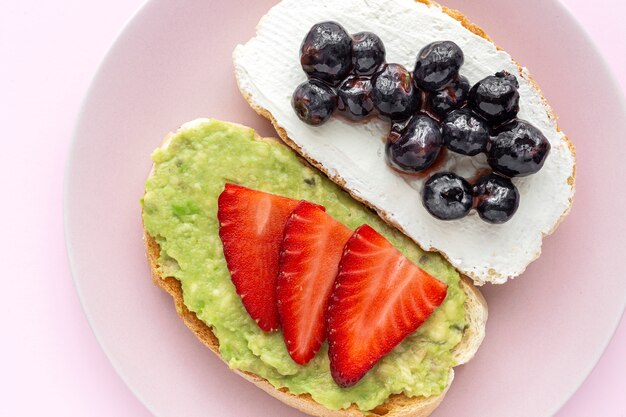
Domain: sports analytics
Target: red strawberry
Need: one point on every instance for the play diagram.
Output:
(379, 298)
(251, 229)
(310, 253)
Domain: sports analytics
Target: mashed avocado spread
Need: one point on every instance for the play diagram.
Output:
(180, 212)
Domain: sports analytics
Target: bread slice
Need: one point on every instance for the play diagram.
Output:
(487, 253)
(396, 405)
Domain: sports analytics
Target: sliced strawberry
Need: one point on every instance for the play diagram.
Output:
(379, 298)
(310, 253)
(251, 229)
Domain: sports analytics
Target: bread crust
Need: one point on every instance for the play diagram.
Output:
(491, 276)
(398, 405)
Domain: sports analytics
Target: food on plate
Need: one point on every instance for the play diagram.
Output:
(212, 208)
(326, 52)
(496, 198)
(445, 99)
(435, 102)
(314, 102)
(447, 196)
(519, 149)
(368, 53)
(311, 250)
(334, 277)
(453, 96)
(437, 65)
(496, 97)
(379, 298)
(355, 98)
(416, 147)
(465, 133)
(395, 96)
(251, 229)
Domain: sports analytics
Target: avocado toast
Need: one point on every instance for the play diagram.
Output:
(186, 259)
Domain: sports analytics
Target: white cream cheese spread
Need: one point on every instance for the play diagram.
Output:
(268, 71)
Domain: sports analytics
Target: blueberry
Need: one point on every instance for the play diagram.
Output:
(464, 132)
(326, 52)
(355, 98)
(368, 53)
(496, 198)
(314, 102)
(447, 196)
(417, 146)
(451, 97)
(437, 64)
(496, 97)
(518, 150)
(395, 96)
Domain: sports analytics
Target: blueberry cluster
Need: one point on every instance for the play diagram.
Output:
(448, 196)
(431, 108)
(341, 72)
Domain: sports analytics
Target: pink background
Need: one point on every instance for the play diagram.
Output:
(50, 361)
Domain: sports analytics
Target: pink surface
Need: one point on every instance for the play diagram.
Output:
(51, 362)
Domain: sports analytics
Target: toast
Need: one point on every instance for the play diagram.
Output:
(488, 253)
(397, 405)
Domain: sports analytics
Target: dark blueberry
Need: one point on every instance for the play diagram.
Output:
(437, 64)
(451, 97)
(368, 53)
(496, 198)
(417, 146)
(464, 132)
(314, 102)
(518, 150)
(326, 52)
(496, 97)
(447, 196)
(355, 98)
(394, 94)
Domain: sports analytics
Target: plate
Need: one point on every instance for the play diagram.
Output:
(172, 63)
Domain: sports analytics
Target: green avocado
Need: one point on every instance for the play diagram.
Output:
(180, 212)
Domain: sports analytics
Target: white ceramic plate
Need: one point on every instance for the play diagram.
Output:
(172, 63)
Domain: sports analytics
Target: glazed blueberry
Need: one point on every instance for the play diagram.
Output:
(368, 53)
(465, 132)
(314, 102)
(437, 64)
(395, 96)
(447, 196)
(496, 198)
(355, 98)
(496, 97)
(451, 97)
(417, 146)
(326, 52)
(518, 150)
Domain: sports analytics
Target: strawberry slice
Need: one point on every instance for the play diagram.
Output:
(310, 253)
(379, 298)
(251, 229)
